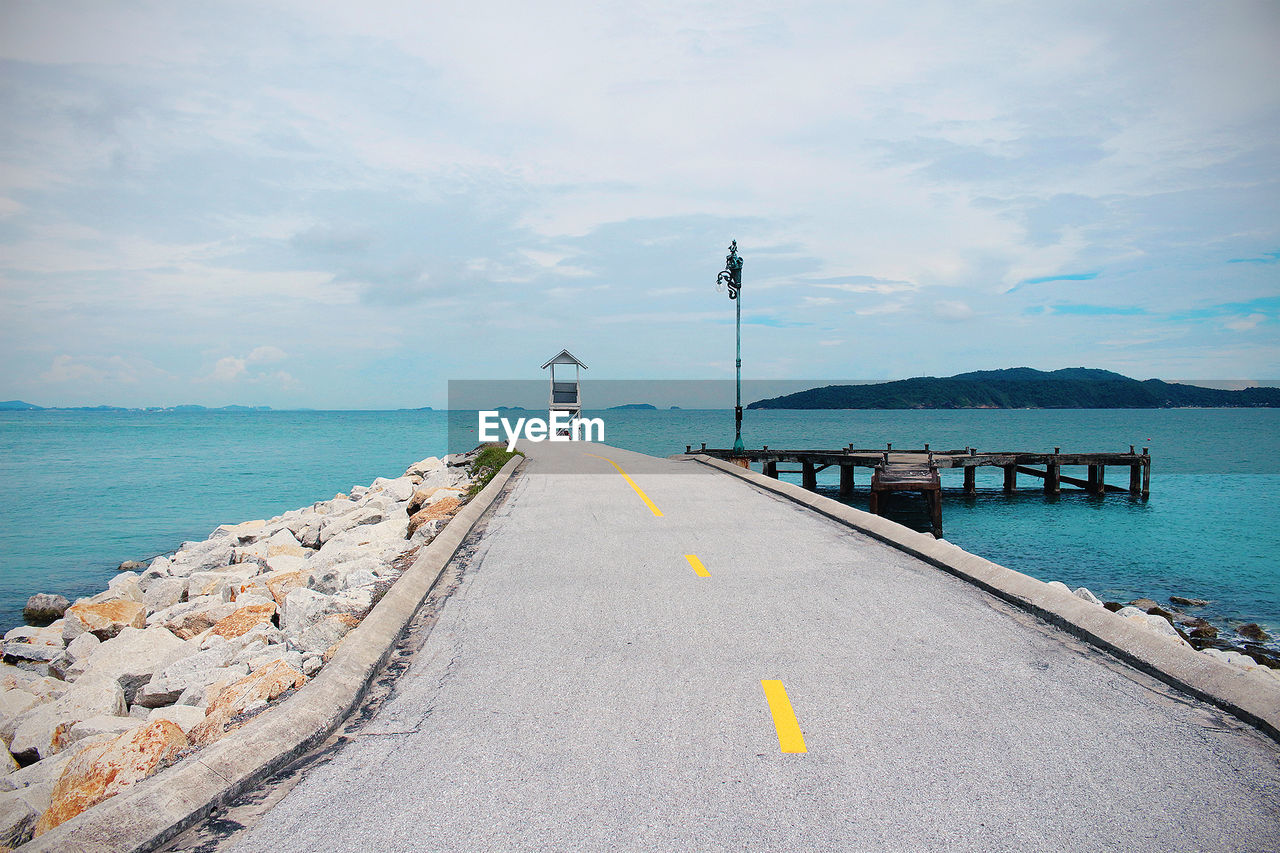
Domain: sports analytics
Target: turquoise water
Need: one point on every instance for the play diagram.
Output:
(83, 491)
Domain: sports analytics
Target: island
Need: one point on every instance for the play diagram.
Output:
(1024, 388)
(632, 406)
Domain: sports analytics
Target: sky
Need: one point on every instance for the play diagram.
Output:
(346, 205)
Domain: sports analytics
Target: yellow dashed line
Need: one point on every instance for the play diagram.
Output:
(790, 738)
(698, 569)
(642, 495)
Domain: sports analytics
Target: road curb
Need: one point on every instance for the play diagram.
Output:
(157, 809)
(1233, 690)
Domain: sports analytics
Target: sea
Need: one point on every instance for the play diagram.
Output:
(80, 492)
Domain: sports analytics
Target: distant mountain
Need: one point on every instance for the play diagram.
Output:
(1023, 388)
(633, 406)
(18, 406)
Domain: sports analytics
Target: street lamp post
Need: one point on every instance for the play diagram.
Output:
(731, 276)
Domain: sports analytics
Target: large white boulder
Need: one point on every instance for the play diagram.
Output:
(334, 525)
(133, 656)
(399, 489)
(168, 683)
(1088, 596)
(43, 730)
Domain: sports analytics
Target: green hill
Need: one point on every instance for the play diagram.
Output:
(1023, 388)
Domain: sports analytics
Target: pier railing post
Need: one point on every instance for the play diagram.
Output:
(846, 480)
(1096, 480)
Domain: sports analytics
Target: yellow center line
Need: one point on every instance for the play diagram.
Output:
(784, 718)
(698, 569)
(642, 495)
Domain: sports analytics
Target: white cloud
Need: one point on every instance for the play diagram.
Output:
(266, 355)
(228, 369)
(1242, 324)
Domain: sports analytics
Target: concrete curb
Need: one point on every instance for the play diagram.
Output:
(1233, 690)
(157, 809)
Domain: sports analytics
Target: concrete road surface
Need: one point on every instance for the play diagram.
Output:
(588, 688)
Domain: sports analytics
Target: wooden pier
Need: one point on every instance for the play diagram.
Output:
(917, 470)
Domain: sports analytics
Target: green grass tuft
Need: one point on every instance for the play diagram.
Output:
(487, 465)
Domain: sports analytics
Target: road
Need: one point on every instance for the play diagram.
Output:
(590, 687)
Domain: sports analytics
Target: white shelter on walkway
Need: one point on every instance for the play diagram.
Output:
(566, 394)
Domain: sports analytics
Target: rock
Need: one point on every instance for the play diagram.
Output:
(383, 541)
(131, 566)
(325, 634)
(8, 764)
(1204, 632)
(399, 489)
(1162, 613)
(124, 586)
(42, 687)
(1143, 604)
(242, 533)
(1268, 657)
(168, 683)
(164, 592)
(426, 466)
(254, 553)
(133, 656)
(220, 584)
(160, 568)
(1187, 602)
(43, 730)
(285, 563)
(440, 509)
(1252, 631)
(283, 544)
(32, 648)
(185, 717)
(262, 686)
(43, 608)
(104, 619)
(15, 702)
(17, 820)
(302, 609)
(311, 664)
(1155, 624)
(197, 694)
(332, 526)
(281, 584)
(426, 531)
(201, 557)
(1113, 606)
(257, 657)
(1084, 593)
(200, 619)
(244, 619)
(101, 725)
(103, 770)
(342, 575)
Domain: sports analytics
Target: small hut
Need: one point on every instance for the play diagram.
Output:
(566, 393)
